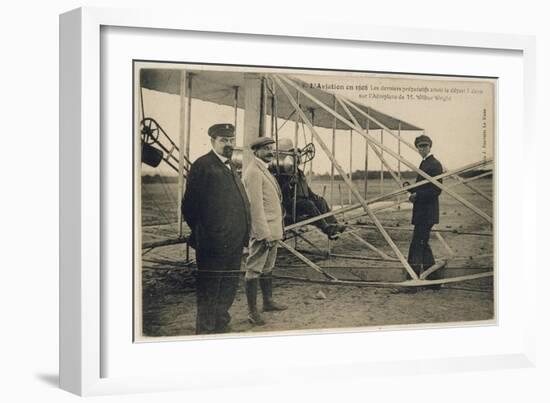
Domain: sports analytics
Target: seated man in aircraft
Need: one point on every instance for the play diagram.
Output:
(308, 203)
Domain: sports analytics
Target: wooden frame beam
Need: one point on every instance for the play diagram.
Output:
(306, 260)
(182, 141)
(409, 283)
(364, 204)
(428, 177)
(385, 148)
(387, 195)
(445, 244)
(412, 147)
(433, 269)
(379, 153)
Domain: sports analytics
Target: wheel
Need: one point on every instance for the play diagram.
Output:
(150, 131)
(308, 153)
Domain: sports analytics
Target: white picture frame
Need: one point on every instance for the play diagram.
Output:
(84, 347)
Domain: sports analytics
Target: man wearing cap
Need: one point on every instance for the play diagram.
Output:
(425, 213)
(216, 208)
(266, 228)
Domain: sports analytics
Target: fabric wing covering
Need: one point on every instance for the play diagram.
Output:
(219, 87)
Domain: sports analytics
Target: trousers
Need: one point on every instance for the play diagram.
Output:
(313, 206)
(216, 291)
(261, 259)
(420, 253)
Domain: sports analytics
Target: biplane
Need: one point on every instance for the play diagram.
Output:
(269, 100)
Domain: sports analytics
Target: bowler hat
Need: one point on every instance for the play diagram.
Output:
(422, 139)
(285, 144)
(222, 130)
(260, 142)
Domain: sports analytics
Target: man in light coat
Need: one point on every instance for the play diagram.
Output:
(266, 214)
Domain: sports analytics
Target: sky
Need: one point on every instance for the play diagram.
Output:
(457, 113)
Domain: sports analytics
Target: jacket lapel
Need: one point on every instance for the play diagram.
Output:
(220, 164)
(423, 166)
(232, 174)
(270, 177)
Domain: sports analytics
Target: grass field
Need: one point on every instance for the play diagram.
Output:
(160, 200)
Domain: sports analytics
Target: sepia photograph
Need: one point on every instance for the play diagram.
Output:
(272, 200)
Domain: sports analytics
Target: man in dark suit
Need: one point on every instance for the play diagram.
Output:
(308, 203)
(425, 214)
(216, 208)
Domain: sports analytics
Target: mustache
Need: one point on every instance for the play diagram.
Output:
(227, 151)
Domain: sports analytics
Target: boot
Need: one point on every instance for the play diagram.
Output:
(254, 316)
(266, 282)
(331, 231)
(340, 228)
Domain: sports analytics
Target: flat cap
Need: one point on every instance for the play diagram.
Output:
(260, 142)
(422, 139)
(222, 130)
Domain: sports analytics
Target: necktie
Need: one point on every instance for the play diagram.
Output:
(229, 164)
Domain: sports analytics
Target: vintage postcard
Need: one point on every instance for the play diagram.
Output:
(271, 200)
